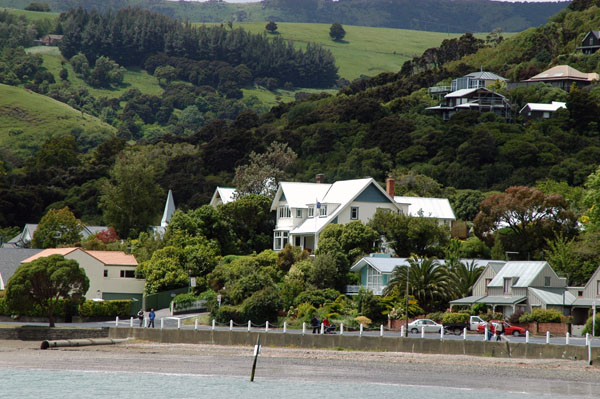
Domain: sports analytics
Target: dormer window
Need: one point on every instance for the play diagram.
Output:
(323, 210)
(311, 212)
(299, 213)
(284, 212)
(507, 283)
(546, 281)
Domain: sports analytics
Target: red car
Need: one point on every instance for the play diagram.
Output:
(508, 328)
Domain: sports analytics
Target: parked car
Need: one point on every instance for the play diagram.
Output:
(429, 325)
(472, 325)
(508, 328)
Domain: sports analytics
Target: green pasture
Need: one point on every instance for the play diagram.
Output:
(27, 119)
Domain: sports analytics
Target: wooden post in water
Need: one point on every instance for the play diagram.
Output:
(256, 352)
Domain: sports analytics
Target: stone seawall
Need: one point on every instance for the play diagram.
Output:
(31, 333)
(366, 343)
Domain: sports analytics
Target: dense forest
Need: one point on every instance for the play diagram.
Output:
(431, 15)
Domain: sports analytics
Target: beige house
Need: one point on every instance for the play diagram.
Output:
(111, 273)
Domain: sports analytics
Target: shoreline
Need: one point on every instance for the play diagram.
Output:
(564, 377)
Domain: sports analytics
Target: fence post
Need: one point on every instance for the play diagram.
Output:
(131, 322)
(527, 337)
(485, 334)
(117, 321)
(402, 331)
(230, 325)
(303, 328)
(567, 338)
(284, 327)
(322, 328)
(587, 339)
(213, 324)
(196, 324)
(162, 323)
(422, 332)
(442, 334)
(547, 337)
(178, 324)
(465, 333)
(341, 328)
(381, 330)
(267, 326)
(361, 329)
(249, 325)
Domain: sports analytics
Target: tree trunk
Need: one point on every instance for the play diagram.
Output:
(51, 319)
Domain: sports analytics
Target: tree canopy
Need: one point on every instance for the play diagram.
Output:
(44, 282)
(58, 228)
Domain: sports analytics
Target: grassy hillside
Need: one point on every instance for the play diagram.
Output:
(364, 50)
(27, 119)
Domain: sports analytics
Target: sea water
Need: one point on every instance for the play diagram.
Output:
(38, 383)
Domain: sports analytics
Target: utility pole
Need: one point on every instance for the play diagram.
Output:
(406, 309)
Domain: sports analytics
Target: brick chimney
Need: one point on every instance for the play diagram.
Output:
(320, 178)
(389, 186)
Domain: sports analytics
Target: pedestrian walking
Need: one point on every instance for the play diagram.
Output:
(315, 323)
(151, 316)
(499, 330)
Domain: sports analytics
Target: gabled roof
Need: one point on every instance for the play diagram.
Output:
(484, 75)
(169, 210)
(10, 260)
(388, 265)
(339, 194)
(226, 194)
(563, 72)
(554, 106)
(49, 252)
(438, 208)
(25, 237)
(596, 34)
(525, 271)
(553, 296)
(466, 92)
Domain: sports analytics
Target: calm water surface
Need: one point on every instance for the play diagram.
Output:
(34, 383)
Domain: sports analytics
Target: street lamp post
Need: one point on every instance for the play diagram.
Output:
(406, 309)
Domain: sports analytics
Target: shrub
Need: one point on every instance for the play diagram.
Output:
(224, 313)
(317, 297)
(479, 309)
(492, 316)
(514, 318)
(541, 316)
(305, 311)
(435, 316)
(263, 305)
(184, 299)
(455, 318)
(4, 311)
(114, 308)
(365, 321)
(589, 325)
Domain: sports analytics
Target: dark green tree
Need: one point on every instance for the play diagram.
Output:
(336, 31)
(58, 228)
(271, 27)
(44, 282)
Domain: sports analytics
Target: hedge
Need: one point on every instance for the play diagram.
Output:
(541, 316)
(113, 308)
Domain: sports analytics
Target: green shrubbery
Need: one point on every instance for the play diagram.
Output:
(114, 308)
(541, 316)
(589, 325)
(455, 318)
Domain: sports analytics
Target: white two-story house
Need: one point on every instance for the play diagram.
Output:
(304, 209)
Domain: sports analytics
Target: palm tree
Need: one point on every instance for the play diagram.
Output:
(428, 282)
(464, 275)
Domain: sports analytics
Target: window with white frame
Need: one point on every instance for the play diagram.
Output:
(354, 213)
(487, 282)
(279, 240)
(373, 279)
(323, 210)
(311, 212)
(507, 282)
(546, 281)
(299, 213)
(127, 273)
(285, 212)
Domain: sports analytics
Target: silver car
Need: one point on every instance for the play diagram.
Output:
(430, 326)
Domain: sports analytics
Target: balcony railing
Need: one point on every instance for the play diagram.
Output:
(353, 289)
(439, 89)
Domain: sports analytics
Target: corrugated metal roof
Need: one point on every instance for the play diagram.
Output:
(387, 265)
(553, 296)
(469, 300)
(502, 300)
(485, 76)
(553, 107)
(438, 208)
(10, 260)
(585, 302)
(526, 271)
(299, 195)
(460, 93)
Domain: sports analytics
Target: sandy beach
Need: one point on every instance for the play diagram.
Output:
(564, 377)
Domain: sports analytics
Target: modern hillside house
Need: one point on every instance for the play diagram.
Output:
(591, 42)
(563, 76)
(474, 80)
(476, 99)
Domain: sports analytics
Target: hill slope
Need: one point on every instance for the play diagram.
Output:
(27, 119)
(432, 15)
